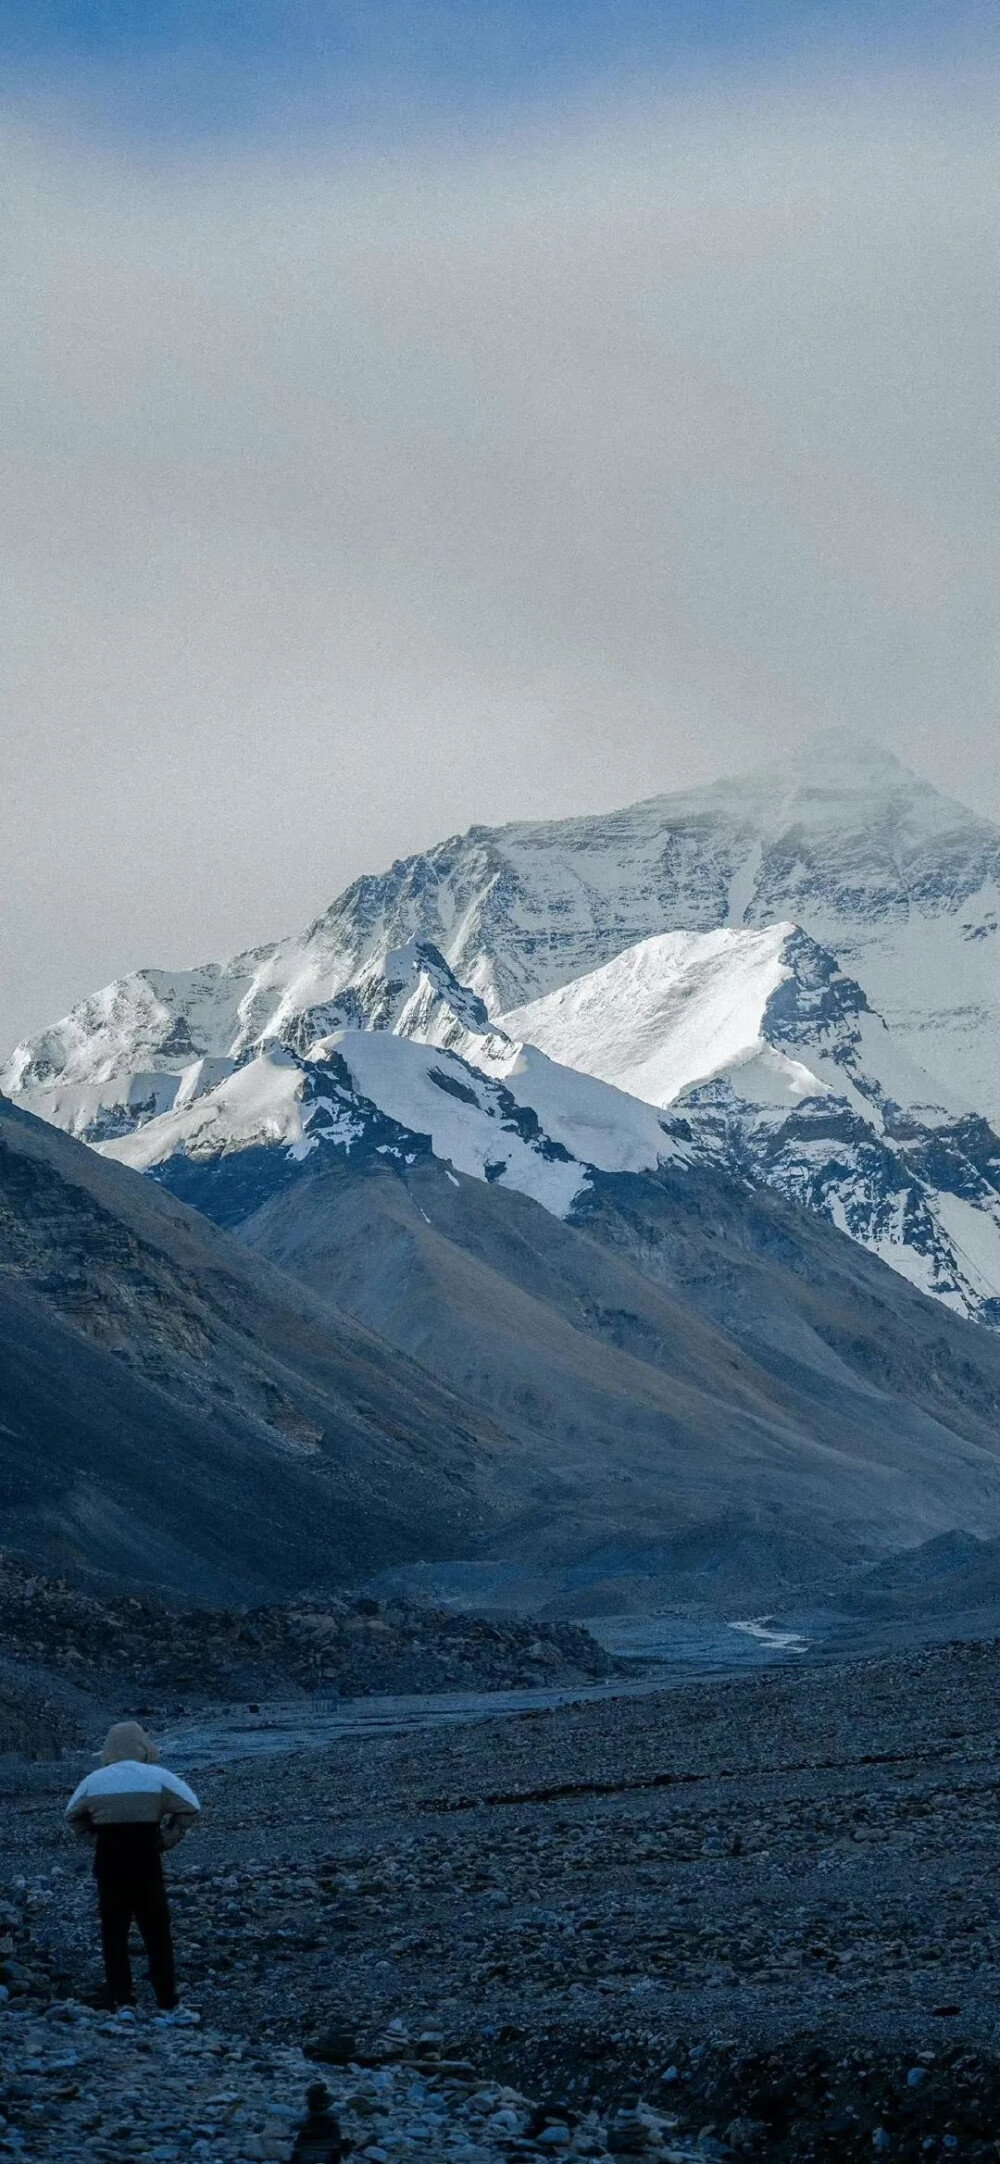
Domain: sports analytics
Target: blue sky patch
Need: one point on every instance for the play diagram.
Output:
(197, 66)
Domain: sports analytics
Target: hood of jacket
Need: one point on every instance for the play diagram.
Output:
(127, 1740)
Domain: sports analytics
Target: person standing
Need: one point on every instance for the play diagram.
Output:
(133, 1809)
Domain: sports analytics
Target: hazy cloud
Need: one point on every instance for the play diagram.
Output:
(351, 499)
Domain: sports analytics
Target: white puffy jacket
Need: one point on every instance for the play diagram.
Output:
(131, 1793)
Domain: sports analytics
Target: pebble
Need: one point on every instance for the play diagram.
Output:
(168, 2094)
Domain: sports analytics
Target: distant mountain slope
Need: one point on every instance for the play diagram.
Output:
(899, 883)
(769, 1007)
(681, 1385)
(173, 1409)
(710, 1395)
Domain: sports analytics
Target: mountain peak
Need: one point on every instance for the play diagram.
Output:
(852, 747)
(846, 756)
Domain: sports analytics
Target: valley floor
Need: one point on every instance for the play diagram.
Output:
(768, 1906)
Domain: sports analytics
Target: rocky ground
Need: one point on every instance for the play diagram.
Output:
(78, 2087)
(32, 1723)
(758, 1918)
(64, 1648)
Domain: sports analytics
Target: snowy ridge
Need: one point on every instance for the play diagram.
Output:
(751, 1051)
(155, 1020)
(539, 1130)
(771, 1006)
(777, 1069)
(673, 1010)
(96, 1095)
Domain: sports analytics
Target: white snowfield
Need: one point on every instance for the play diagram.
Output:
(687, 1007)
(745, 1035)
(738, 1031)
(596, 1125)
(259, 1104)
(670, 1011)
(98, 1095)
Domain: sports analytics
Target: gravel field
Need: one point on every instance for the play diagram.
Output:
(768, 1908)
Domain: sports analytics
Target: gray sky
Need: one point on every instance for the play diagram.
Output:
(352, 499)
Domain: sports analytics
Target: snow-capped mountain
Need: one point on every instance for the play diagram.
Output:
(853, 1062)
(691, 1389)
(750, 1050)
(901, 884)
(774, 1065)
(540, 1129)
(82, 1075)
(770, 1007)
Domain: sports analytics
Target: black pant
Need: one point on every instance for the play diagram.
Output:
(142, 1896)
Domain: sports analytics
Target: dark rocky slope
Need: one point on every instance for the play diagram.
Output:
(67, 1653)
(176, 1411)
